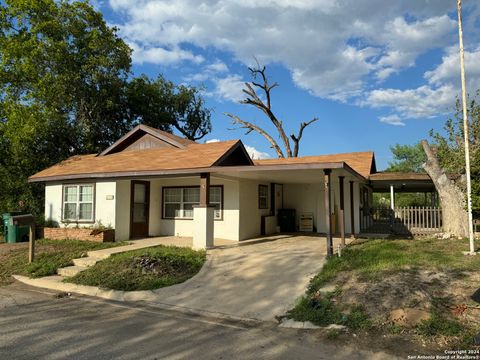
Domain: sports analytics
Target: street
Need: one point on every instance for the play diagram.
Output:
(38, 324)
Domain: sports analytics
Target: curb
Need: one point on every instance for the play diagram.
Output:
(146, 297)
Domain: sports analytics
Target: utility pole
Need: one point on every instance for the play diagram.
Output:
(466, 130)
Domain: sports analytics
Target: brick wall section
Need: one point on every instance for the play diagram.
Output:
(78, 234)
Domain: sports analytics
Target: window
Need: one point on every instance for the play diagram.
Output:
(178, 202)
(78, 202)
(263, 196)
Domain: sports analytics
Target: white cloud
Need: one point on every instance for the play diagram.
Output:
(256, 154)
(392, 120)
(159, 55)
(212, 141)
(406, 40)
(434, 98)
(422, 102)
(217, 67)
(330, 47)
(228, 88)
(449, 70)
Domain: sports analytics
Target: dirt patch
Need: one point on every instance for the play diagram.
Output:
(5, 248)
(422, 290)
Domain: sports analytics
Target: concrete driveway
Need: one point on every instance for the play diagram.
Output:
(260, 279)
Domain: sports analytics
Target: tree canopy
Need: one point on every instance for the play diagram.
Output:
(449, 149)
(66, 88)
(407, 158)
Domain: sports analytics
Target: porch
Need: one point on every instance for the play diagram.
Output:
(211, 209)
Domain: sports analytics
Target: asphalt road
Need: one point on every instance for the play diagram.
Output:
(37, 324)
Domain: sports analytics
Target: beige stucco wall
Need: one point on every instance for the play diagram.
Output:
(122, 210)
(241, 216)
(250, 214)
(311, 198)
(228, 228)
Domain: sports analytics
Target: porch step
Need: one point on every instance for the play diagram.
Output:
(70, 270)
(98, 255)
(85, 261)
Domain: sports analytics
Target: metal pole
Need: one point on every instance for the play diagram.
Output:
(466, 130)
(392, 198)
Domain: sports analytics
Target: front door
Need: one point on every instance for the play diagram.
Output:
(139, 209)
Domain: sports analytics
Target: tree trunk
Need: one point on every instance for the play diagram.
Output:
(452, 199)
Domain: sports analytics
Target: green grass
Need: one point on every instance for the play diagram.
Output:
(49, 256)
(171, 265)
(323, 312)
(440, 325)
(374, 258)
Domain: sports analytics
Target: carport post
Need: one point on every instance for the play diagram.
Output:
(342, 210)
(392, 197)
(203, 216)
(328, 215)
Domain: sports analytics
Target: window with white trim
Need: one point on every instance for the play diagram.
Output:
(78, 202)
(178, 202)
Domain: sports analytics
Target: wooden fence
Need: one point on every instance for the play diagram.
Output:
(402, 221)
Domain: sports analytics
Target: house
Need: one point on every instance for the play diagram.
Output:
(153, 183)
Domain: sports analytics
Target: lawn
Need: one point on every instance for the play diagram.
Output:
(49, 256)
(373, 278)
(143, 269)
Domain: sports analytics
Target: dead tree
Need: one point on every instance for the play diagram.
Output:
(252, 90)
(452, 199)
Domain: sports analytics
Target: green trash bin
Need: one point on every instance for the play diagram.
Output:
(13, 233)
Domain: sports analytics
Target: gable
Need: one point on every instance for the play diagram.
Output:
(237, 155)
(144, 137)
(146, 141)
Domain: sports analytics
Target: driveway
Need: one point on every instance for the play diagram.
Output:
(260, 279)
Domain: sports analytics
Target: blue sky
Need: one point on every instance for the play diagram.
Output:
(374, 72)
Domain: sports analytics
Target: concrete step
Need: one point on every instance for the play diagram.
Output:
(85, 261)
(98, 255)
(70, 270)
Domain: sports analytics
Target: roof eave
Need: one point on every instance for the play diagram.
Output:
(196, 171)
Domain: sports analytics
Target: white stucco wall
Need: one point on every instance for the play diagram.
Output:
(105, 204)
(53, 203)
(105, 210)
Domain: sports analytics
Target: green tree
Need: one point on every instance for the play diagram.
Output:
(162, 104)
(62, 74)
(450, 150)
(65, 90)
(407, 158)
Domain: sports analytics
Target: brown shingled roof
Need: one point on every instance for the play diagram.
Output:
(192, 157)
(361, 162)
(384, 176)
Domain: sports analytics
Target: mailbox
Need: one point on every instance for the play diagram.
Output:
(22, 220)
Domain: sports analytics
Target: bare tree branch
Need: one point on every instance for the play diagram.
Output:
(255, 100)
(296, 139)
(252, 127)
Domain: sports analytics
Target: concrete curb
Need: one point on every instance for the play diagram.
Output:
(147, 297)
